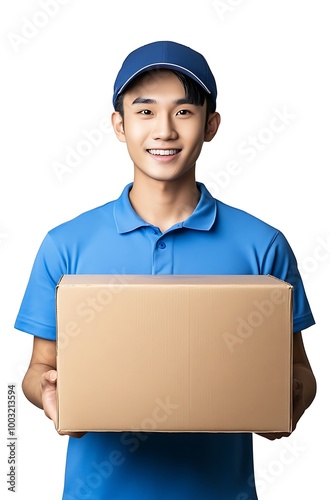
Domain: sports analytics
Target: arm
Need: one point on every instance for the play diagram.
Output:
(304, 385)
(39, 383)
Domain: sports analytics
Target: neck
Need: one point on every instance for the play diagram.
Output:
(164, 204)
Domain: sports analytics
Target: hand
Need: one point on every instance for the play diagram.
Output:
(298, 411)
(48, 396)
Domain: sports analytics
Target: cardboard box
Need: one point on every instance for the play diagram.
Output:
(174, 353)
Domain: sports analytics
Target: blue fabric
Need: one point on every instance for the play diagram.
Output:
(113, 239)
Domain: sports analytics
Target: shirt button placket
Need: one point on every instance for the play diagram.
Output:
(163, 258)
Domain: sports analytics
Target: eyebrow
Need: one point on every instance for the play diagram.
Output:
(145, 100)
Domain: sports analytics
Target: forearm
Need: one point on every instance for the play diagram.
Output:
(31, 384)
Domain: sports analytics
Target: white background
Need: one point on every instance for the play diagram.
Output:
(58, 69)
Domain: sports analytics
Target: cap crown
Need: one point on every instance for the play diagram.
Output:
(166, 55)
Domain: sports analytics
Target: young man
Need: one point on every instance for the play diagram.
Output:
(164, 222)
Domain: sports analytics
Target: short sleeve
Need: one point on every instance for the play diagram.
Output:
(37, 311)
(280, 262)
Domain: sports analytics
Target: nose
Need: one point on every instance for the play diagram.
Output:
(164, 128)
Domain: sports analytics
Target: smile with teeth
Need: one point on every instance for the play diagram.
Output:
(163, 152)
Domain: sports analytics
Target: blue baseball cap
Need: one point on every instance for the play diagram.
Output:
(166, 55)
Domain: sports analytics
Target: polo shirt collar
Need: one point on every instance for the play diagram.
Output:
(202, 218)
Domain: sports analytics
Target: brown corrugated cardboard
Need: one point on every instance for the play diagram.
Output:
(174, 353)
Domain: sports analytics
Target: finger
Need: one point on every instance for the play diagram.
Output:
(274, 435)
(48, 378)
(48, 388)
(297, 387)
(52, 375)
(77, 435)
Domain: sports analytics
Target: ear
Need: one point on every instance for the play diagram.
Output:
(118, 126)
(212, 126)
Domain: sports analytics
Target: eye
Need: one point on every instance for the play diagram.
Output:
(145, 112)
(183, 112)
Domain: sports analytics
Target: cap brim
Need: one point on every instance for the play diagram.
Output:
(155, 66)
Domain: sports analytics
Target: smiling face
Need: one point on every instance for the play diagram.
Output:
(164, 132)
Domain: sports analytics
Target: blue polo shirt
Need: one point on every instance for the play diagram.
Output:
(113, 239)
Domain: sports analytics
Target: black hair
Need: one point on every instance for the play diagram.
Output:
(193, 92)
